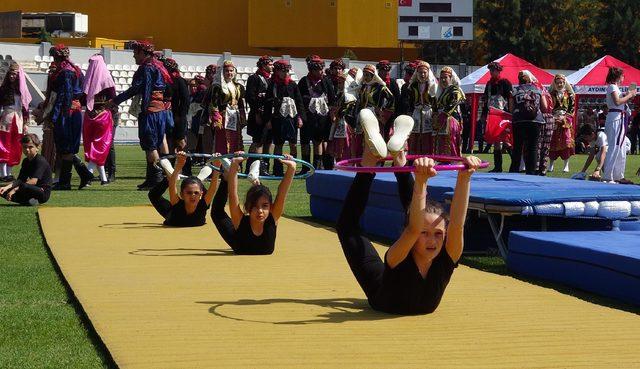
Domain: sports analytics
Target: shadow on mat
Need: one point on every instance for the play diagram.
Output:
(181, 252)
(336, 310)
(132, 225)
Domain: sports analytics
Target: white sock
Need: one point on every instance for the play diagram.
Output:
(103, 173)
(3, 169)
(91, 166)
(551, 165)
(9, 167)
(566, 165)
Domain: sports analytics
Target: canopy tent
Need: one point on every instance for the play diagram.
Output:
(591, 79)
(590, 86)
(474, 84)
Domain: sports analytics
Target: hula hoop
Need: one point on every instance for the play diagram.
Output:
(347, 165)
(266, 156)
(190, 155)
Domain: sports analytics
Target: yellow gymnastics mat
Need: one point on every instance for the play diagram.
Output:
(176, 298)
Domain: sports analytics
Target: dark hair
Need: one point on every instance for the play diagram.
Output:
(191, 180)
(494, 66)
(614, 74)
(254, 194)
(30, 138)
(433, 207)
(586, 130)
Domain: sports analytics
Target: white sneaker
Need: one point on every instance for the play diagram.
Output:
(402, 127)
(205, 172)
(372, 134)
(254, 172)
(550, 168)
(165, 164)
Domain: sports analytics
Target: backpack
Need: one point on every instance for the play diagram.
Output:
(528, 105)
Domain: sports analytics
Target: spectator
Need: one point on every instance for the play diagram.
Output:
(33, 185)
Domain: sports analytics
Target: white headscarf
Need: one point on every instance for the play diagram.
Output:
(455, 80)
(352, 85)
(431, 79)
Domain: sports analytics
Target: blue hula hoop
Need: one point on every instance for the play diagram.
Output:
(266, 156)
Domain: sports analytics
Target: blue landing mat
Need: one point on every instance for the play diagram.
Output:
(607, 263)
(486, 188)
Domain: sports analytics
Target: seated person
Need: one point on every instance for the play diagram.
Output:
(189, 209)
(33, 185)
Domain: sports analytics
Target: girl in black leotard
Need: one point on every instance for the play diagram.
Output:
(252, 232)
(417, 268)
(189, 209)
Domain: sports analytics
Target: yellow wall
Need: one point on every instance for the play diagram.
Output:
(249, 27)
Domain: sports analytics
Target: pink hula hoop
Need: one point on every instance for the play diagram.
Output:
(347, 165)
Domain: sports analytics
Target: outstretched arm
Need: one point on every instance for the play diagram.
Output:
(459, 205)
(234, 201)
(401, 248)
(213, 187)
(283, 188)
(181, 158)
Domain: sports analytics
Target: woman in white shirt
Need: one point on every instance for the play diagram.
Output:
(615, 127)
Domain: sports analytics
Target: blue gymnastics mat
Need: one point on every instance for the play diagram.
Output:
(606, 263)
(488, 188)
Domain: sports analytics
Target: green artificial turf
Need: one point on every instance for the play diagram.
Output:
(41, 325)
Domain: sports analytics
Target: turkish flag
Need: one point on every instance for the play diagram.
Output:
(404, 2)
(498, 127)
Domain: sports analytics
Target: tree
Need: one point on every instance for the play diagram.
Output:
(620, 30)
(45, 36)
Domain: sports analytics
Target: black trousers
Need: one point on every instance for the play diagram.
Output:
(26, 192)
(363, 259)
(162, 205)
(220, 218)
(110, 164)
(525, 142)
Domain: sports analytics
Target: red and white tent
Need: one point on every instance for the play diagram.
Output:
(591, 79)
(473, 85)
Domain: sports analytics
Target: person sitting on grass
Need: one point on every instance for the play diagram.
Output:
(33, 185)
(189, 208)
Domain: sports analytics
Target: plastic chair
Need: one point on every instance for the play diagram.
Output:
(199, 69)
(115, 74)
(126, 67)
(118, 66)
(191, 68)
(182, 68)
(110, 67)
(38, 58)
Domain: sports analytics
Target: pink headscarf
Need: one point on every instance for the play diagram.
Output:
(97, 79)
(25, 96)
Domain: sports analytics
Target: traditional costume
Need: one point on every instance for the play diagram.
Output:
(66, 116)
(376, 96)
(497, 93)
(562, 143)
(418, 100)
(147, 89)
(97, 127)
(317, 96)
(180, 101)
(256, 93)
(343, 120)
(615, 128)
(14, 103)
(227, 113)
(284, 109)
(447, 129)
(384, 71)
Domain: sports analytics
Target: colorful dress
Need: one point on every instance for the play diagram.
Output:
(12, 119)
(342, 127)
(227, 116)
(379, 99)
(447, 129)
(417, 103)
(562, 143)
(97, 129)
